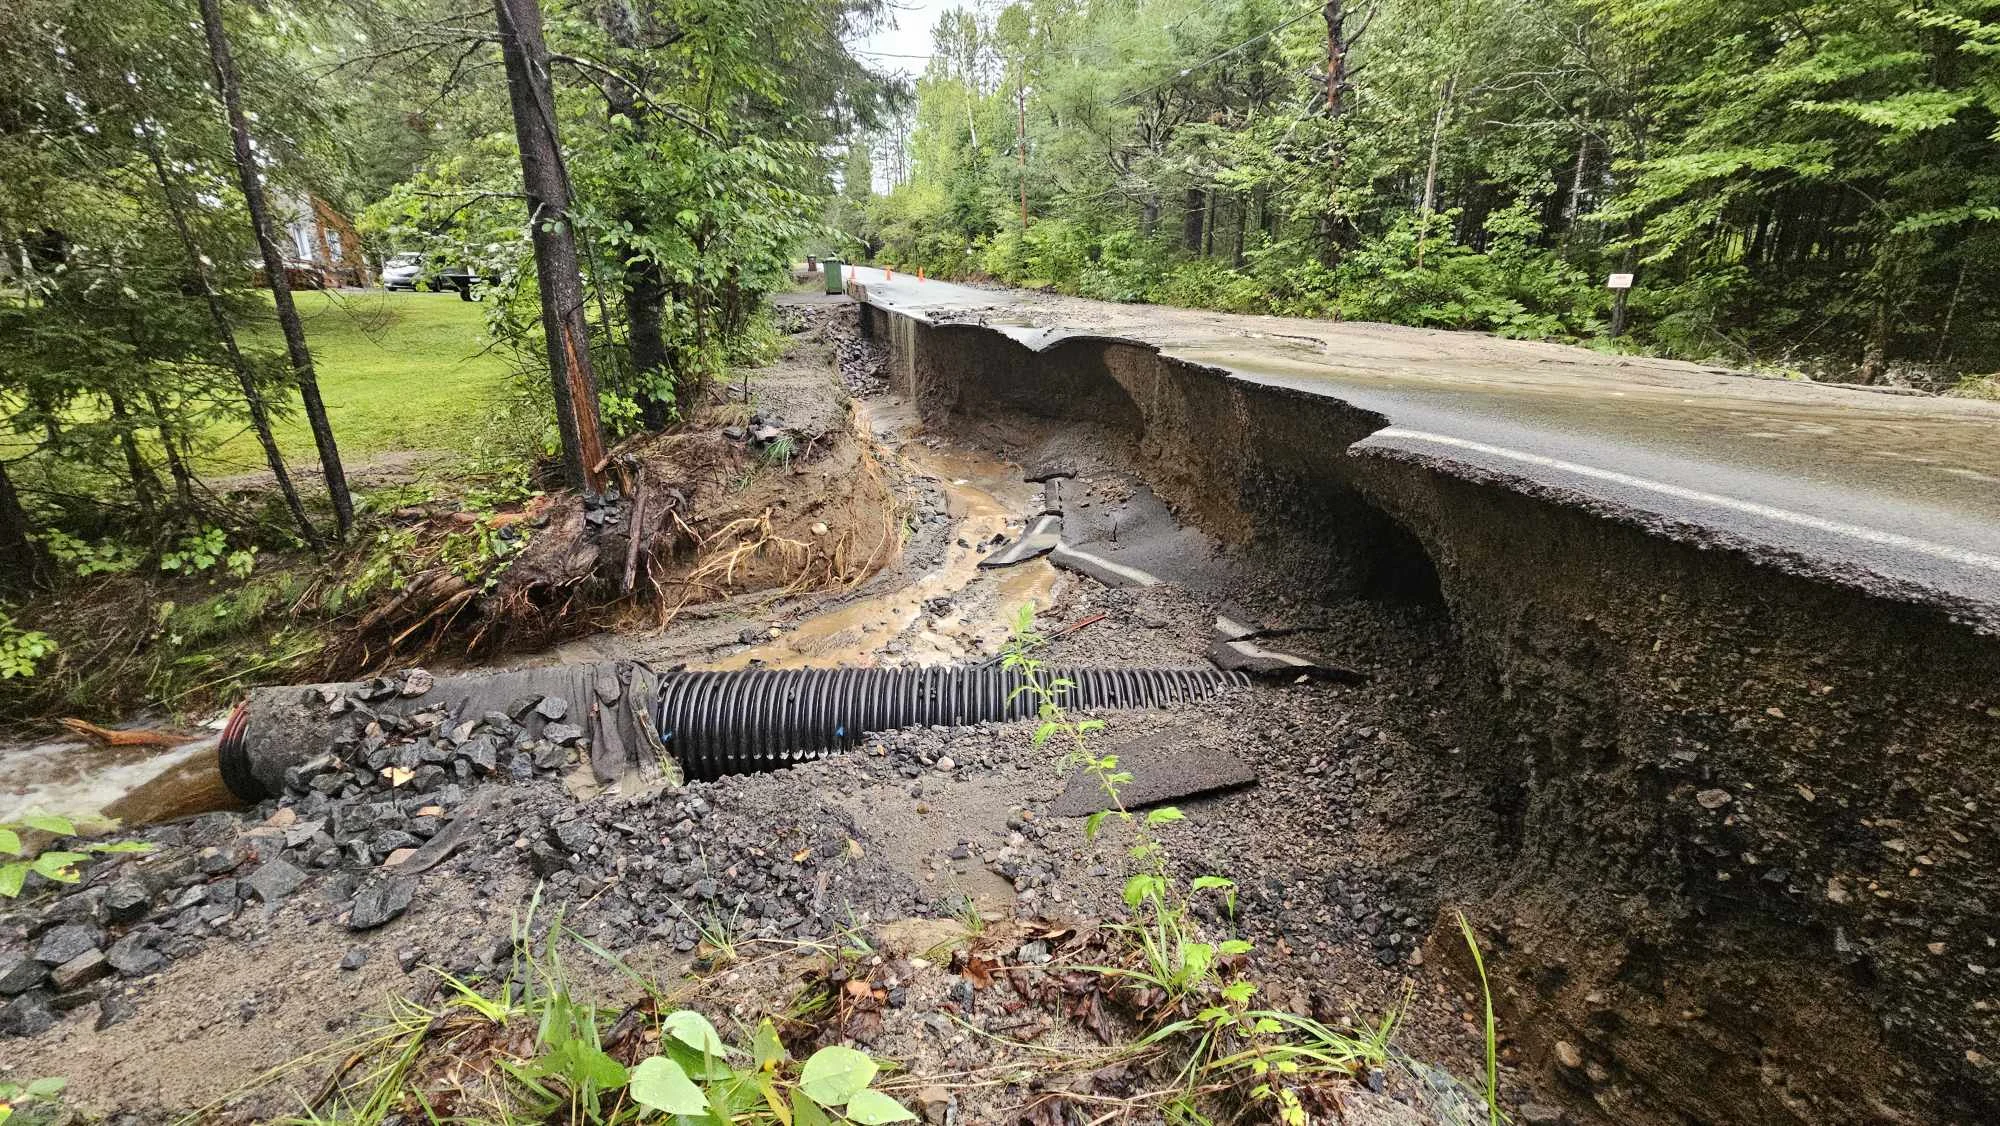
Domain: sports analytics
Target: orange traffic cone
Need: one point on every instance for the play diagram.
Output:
(920, 273)
(888, 273)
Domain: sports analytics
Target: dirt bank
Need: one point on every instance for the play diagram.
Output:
(1733, 818)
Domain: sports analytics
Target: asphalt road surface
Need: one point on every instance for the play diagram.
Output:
(1896, 493)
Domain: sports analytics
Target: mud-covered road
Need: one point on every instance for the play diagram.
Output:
(1888, 492)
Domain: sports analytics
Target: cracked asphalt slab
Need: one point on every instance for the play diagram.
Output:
(1894, 494)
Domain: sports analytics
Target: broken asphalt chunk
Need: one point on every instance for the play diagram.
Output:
(1050, 469)
(378, 901)
(1163, 769)
(1044, 535)
(1249, 657)
(1099, 568)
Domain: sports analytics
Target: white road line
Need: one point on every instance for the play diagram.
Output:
(1780, 515)
(1132, 575)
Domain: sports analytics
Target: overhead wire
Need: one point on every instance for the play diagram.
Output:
(1080, 48)
(1187, 70)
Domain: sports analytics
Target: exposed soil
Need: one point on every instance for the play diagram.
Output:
(773, 490)
(1720, 816)
(887, 853)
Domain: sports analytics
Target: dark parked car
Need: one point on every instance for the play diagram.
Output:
(409, 270)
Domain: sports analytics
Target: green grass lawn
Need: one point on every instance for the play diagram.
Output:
(398, 371)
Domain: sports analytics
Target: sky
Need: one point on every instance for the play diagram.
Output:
(903, 48)
(911, 35)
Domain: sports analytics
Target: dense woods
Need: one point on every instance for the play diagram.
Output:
(152, 155)
(1807, 187)
(619, 184)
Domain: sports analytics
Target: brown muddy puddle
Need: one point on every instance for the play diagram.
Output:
(985, 497)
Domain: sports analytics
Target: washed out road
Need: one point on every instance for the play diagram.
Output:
(1896, 493)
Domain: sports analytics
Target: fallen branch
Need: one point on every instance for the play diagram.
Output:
(633, 536)
(111, 737)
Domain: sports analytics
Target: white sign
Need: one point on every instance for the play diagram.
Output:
(1618, 281)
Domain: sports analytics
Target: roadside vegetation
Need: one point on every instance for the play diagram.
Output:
(530, 1048)
(1796, 187)
(401, 372)
(182, 613)
(209, 471)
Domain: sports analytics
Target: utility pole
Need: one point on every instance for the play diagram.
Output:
(1331, 233)
(1335, 16)
(1021, 133)
(545, 181)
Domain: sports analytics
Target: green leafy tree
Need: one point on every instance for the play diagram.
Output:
(1794, 184)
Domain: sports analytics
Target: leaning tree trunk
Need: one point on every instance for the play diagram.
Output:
(253, 396)
(145, 486)
(1431, 169)
(1891, 258)
(177, 466)
(21, 562)
(1875, 355)
(250, 178)
(1192, 206)
(1242, 217)
(645, 340)
(546, 183)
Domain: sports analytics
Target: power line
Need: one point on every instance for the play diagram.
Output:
(1185, 71)
(1079, 49)
(1176, 77)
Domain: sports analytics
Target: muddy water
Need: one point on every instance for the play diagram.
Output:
(985, 497)
(136, 785)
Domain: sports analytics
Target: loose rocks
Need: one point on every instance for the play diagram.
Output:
(68, 941)
(379, 901)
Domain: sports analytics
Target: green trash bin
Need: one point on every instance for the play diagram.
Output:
(832, 268)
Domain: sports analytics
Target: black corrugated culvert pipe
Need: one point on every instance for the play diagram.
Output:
(718, 723)
(712, 723)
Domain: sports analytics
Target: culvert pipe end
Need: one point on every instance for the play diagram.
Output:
(232, 756)
(717, 723)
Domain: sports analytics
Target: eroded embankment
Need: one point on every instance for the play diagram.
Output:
(1735, 840)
